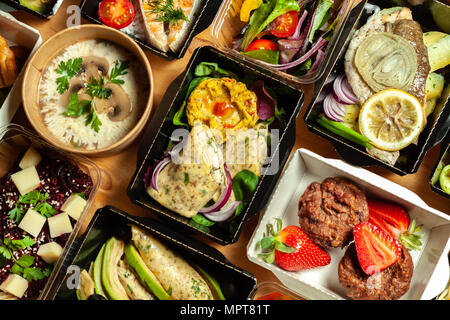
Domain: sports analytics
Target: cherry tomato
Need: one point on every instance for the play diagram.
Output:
(262, 44)
(284, 26)
(222, 109)
(116, 14)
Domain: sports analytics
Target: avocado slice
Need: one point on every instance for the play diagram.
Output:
(36, 5)
(97, 273)
(212, 283)
(110, 278)
(147, 277)
(86, 288)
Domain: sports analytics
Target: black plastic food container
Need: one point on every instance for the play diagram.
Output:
(444, 158)
(206, 11)
(156, 139)
(437, 122)
(43, 15)
(236, 284)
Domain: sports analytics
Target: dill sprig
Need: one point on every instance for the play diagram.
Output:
(166, 11)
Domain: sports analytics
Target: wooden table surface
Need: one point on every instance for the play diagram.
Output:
(117, 170)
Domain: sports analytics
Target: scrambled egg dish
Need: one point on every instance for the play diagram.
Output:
(222, 104)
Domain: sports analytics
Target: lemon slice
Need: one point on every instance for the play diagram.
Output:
(391, 119)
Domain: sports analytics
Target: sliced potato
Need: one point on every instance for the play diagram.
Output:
(430, 38)
(435, 85)
(439, 54)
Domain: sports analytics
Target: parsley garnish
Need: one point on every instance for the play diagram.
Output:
(35, 199)
(78, 108)
(119, 69)
(67, 70)
(96, 89)
(7, 246)
(186, 178)
(93, 120)
(167, 11)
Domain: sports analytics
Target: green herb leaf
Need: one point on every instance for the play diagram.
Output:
(45, 209)
(93, 120)
(25, 261)
(244, 185)
(186, 178)
(77, 108)
(67, 70)
(166, 11)
(119, 69)
(4, 251)
(16, 214)
(32, 274)
(96, 89)
(16, 269)
(33, 197)
(20, 244)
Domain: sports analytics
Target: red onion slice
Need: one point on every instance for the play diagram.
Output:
(226, 213)
(319, 44)
(342, 92)
(224, 196)
(332, 109)
(161, 165)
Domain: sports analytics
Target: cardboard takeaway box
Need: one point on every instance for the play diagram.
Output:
(16, 33)
(431, 267)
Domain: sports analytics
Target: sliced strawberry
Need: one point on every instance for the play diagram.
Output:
(395, 220)
(390, 217)
(292, 249)
(376, 249)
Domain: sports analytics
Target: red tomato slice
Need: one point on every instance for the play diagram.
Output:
(222, 109)
(116, 14)
(284, 26)
(262, 44)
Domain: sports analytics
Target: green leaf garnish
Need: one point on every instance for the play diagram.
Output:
(67, 70)
(119, 69)
(96, 89)
(166, 11)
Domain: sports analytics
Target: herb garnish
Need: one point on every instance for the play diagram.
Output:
(7, 246)
(35, 199)
(96, 89)
(186, 178)
(67, 70)
(167, 11)
(119, 69)
(78, 108)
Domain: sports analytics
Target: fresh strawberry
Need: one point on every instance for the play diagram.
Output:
(292, 249)
(376, 249)
(395, 220)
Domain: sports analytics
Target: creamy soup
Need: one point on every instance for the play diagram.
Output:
(92, 94)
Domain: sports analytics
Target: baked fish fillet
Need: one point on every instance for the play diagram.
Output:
(398, 21)
(155, 29)
(178, 31)
(167, 35)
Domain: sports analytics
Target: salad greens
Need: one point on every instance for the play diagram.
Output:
(322, 15)
(268, 11)
(244, 185)
(269, 56)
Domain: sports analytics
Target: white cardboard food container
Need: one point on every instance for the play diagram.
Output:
(16, 33)
(431, 269)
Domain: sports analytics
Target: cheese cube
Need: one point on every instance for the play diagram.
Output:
(15, 285)
(74, 206)
(50, 252)
(26, 180)
(31, 158)
(32, 222)
(59, 225)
